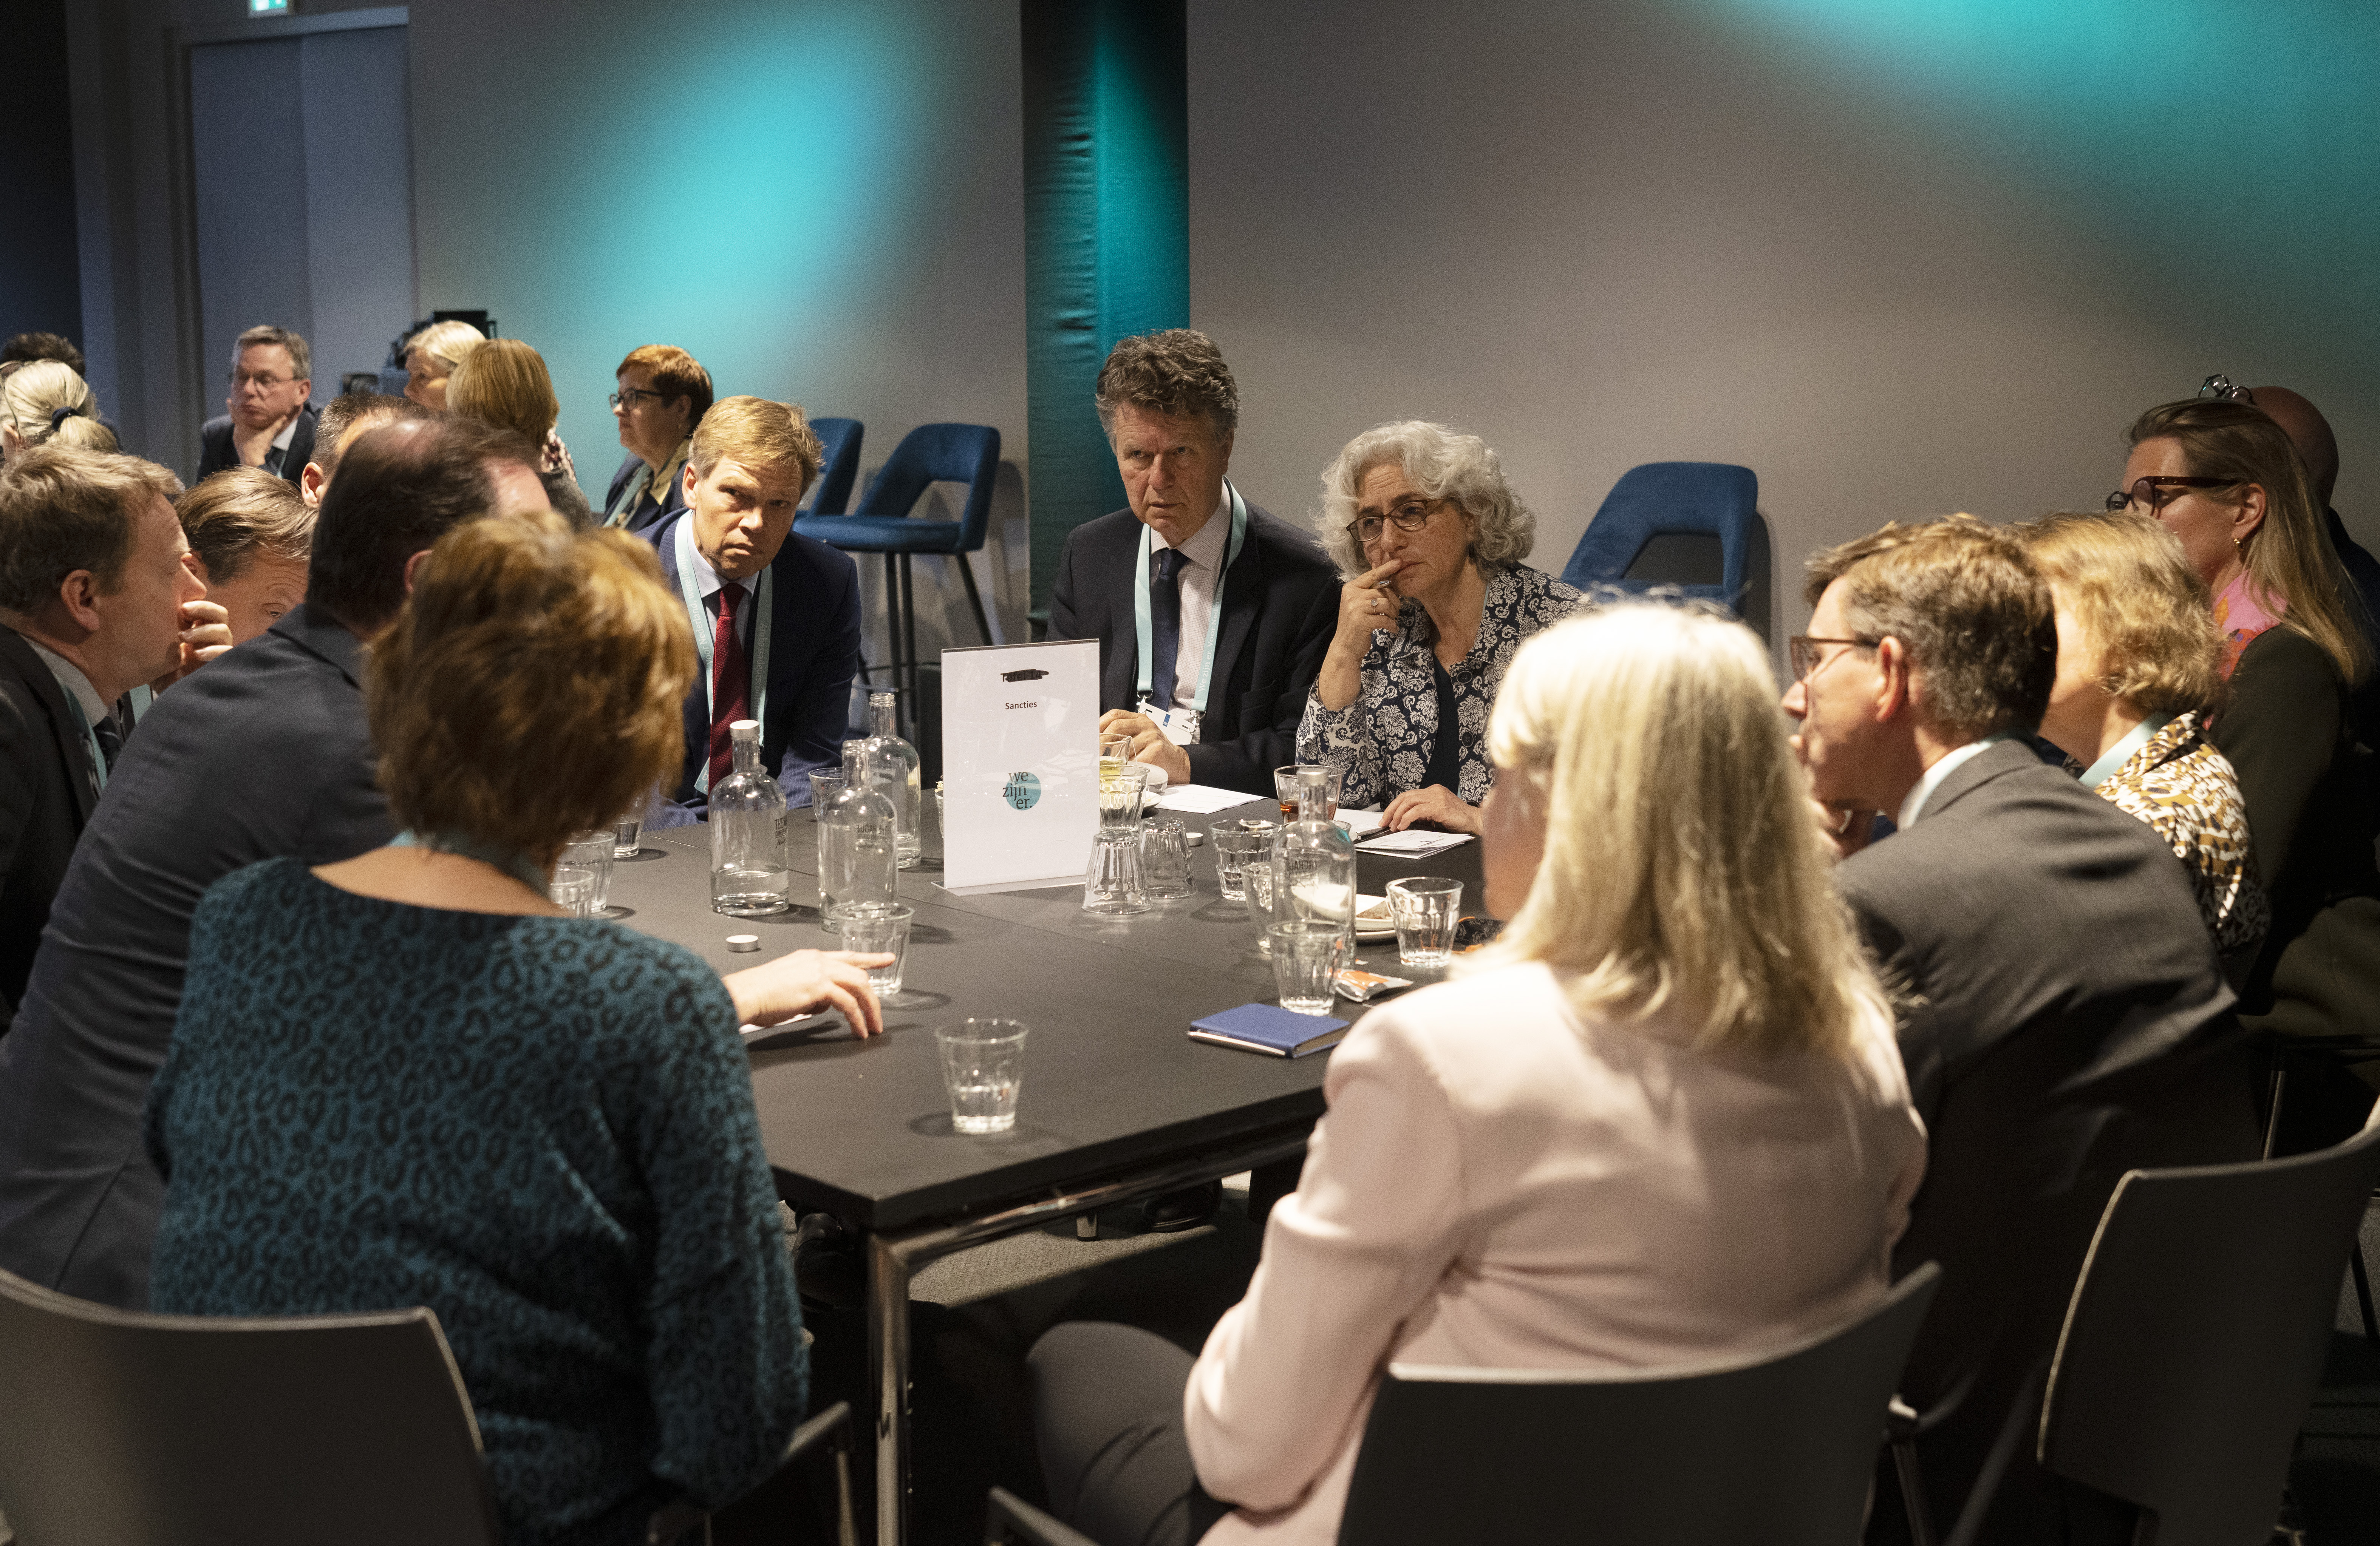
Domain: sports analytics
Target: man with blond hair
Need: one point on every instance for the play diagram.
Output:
(775, 614)
(2064, 1019)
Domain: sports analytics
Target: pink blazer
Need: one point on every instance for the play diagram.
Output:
(1499, 1183)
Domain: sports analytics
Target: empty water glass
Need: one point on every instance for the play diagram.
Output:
(1165, 860)
(1234, 850)
(573, 890)
(983, 1069)
(591, 852)
(1304, 962)
(824, 787)
(873, 928)
(627, 834)
(1424, 909)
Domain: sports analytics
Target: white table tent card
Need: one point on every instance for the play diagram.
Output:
(1020, 765)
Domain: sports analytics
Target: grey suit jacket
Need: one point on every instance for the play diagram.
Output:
(261, 754)
(2067, 1022)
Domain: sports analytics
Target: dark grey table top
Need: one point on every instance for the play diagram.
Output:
(1112, 1079)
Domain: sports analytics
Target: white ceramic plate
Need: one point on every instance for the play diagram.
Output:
(1378, 926)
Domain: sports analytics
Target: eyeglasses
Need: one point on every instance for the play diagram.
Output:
(1411, 515)
(262, 383)
(2149, 493)
(2220, 385)
(626, 397)
(1801, 653)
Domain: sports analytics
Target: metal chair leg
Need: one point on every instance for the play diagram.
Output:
(974, 596)
(1900, 1428)
(909, 640)
(2364, 1292)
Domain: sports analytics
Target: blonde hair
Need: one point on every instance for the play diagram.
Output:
(1444, 464)
(445, 342)
(35, 395)
(2124, 577)
(758, 433)
(504, 383)
(242, 512)
(533, 688)
(1682, 871)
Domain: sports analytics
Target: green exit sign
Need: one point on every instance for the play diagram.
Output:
(268, 7)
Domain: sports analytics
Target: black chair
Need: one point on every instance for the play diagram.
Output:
(839, 441)
(2193, 1343)
(829, 1430)
(1776, 1448)
(1009, 1519)
(127, 1430)
(2291, 1053)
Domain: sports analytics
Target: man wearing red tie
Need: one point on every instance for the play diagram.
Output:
(775, 616)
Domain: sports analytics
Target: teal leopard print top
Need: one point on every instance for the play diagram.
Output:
(540, 1128)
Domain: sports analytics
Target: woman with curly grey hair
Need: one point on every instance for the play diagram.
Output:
(1419, 518)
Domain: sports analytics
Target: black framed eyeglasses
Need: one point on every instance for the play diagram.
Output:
(1802, 652)
(262, 383)
(2220, 385)
(2149, 495)
(1411, 515)
(626, 397)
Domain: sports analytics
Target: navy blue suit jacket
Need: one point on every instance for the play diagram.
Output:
(813, 655)
(650, 511)
(217, 451)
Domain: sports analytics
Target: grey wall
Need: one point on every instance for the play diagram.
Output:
(41, 284)
(1900, 260)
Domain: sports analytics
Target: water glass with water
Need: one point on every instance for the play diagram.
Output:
(983, 1069)
(591, 852)
(1425, 909)
(573, 890)
(1304, 962)
(873, 928)
(626, 836)
(1165, 860)
(824, 787)
(1236, 848)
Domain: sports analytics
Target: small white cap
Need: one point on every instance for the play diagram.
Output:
(744, 941)
(744, 729)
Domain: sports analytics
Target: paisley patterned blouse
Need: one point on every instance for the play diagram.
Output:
(2179, 784)
(1381, 742)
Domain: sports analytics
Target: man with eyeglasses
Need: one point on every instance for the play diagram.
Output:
(267, 421)
(2061, 1012)
(1212, 614)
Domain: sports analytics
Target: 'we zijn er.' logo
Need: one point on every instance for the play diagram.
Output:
(1023, 790)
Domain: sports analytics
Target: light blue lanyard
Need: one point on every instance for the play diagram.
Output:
(511, 861)
(704, 628)
(1215, 619)
(2121, 751)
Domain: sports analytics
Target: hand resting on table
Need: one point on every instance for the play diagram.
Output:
(801, 981)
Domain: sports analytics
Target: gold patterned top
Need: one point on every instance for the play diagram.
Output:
(2179, 784)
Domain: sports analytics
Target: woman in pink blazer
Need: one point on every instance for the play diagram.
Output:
(1662, 1121)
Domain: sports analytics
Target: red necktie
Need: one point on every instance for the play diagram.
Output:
(731, 686)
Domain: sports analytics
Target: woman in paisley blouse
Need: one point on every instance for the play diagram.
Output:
(1419, 518)
(409, 1079)
(2223, 477)
(2137, 654)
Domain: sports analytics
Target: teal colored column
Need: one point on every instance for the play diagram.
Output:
(1107, 232)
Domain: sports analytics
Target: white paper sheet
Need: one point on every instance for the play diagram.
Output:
(1361, 824)
(1410, 844)
(1021, 779)
(1202, 799)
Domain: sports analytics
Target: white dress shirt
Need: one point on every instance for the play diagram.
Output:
(1912, 804)
(1202, 574)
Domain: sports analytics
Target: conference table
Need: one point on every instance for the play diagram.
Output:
(1118, 1103)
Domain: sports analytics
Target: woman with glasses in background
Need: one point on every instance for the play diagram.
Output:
(2224, 478)
(1431, 537)
(662, 394)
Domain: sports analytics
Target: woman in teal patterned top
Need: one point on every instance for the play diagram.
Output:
(407, 1079)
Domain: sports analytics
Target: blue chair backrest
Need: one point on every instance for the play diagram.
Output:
(1663, 499)
(931, 453)
(839, 466)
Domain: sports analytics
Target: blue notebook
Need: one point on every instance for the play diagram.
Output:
(1269, 1029)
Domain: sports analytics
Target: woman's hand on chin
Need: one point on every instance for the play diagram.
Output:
(1435, 803)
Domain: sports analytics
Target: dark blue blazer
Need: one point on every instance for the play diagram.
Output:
(649, 512)
(216, 451)
(813, 655)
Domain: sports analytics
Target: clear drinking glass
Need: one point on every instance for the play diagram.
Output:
(1425, 908)
(894, 764)
(983, 1068)
(1304, 959)
(1256, 881)
(1317, 789)
(1234, 850)
(1165, 860)
(749, 878)
(870, 928)
(591, 852)
(824, 787)
(573, 890)
(1284, 790)
(626, 836)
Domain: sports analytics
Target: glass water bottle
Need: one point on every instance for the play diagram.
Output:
(896, 766)
(1314, 869)
(857, 840)
(748, 873)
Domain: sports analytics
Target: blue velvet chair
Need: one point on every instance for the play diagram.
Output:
(1677, 499)
(967, 454)
(838, 467)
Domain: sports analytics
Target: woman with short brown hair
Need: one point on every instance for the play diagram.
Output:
(408, 1078)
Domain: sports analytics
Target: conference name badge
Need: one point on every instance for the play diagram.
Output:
(1179, 725)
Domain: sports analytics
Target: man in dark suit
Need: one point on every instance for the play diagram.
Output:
(1212, 615)
(267, 421)
(261, 754)
(94, 601)
(2065, 1019)
(775, 615)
